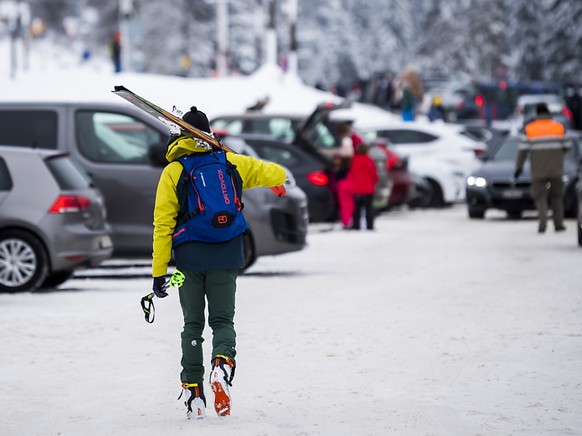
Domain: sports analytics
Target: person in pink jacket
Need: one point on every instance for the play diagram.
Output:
(363, 176)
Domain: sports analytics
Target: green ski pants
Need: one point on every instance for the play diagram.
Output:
(540, 193)
(218, 287)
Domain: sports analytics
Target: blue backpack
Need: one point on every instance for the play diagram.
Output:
(209, 194)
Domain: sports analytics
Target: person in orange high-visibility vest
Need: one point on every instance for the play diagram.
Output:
(545, 143)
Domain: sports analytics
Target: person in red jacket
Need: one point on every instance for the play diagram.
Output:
(363, 176)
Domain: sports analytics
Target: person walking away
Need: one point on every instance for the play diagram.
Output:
(207, 266)
(407, 103)
(363, 176)
(436, 111)
(343, 160)
(115, 49)
(545, 143)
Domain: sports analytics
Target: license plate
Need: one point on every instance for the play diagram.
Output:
(511, 193)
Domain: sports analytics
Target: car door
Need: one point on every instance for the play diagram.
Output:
(5, 180)
(113, 144)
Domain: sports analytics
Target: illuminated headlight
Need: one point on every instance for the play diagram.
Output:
(479, 182)
(565, 178)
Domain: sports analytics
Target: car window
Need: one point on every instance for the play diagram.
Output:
(5, 179)
(279, 155)
(281, 128)
(114, 137)
(508, 150)
(29, 128)
(67, 174)
(404, 136)
(321, 137)
(233, 127)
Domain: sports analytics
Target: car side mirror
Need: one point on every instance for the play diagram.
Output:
(157, 154)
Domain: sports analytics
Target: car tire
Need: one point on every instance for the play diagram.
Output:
(476, 213)
(579, 234)
(56, 279)
(436, 196)
(25, 253)
(249, 251)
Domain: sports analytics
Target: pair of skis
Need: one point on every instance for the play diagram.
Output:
(172, 121)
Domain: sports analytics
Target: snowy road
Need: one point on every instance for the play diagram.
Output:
(431, 325)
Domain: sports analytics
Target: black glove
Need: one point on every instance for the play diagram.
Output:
(160, 286)
(516, 174)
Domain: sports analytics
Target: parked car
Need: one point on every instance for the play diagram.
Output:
(438, 152)
(315, 134)
(579, 198)
(493, 186)
(489, 101)
(52, 220)
(406, 187)
(123, 149)
(525, 110)
(308, 172)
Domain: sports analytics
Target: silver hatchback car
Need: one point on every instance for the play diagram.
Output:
(52, 220)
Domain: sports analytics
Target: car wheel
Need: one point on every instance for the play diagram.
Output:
(56, 279)
(476, 212)
(570, 207)
(580, 234)
(436, 195)
(23, 261)
(249, 251)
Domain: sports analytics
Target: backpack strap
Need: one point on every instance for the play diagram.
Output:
(182, 193)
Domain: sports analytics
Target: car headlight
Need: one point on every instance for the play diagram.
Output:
(478, 182)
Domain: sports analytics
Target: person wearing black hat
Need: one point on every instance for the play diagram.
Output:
(206, 271)
(545, 143)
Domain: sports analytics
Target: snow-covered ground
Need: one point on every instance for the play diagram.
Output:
(433, 324)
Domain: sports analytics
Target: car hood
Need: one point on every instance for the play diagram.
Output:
(506, 169)
(503, 169)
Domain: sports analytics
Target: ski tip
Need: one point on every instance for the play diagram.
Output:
(119, 88)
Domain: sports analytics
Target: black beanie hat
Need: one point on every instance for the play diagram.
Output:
(197, 119)
(542, 109)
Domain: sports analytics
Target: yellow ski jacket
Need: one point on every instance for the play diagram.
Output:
(254, 174)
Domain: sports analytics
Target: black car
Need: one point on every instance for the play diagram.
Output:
(493, 186)
(579, 198)
(310, 173)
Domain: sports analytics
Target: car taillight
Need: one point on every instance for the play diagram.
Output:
(318, 178)
(479, 152)
(567, 113)
(479, 100)
(70, 203)
(393, 160)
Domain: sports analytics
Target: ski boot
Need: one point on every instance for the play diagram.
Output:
(194, 400)
(220, 380)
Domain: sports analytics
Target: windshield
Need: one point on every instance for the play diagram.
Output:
(508, 150)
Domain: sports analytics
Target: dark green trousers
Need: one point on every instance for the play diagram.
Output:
(555, 193)
(218, 287)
